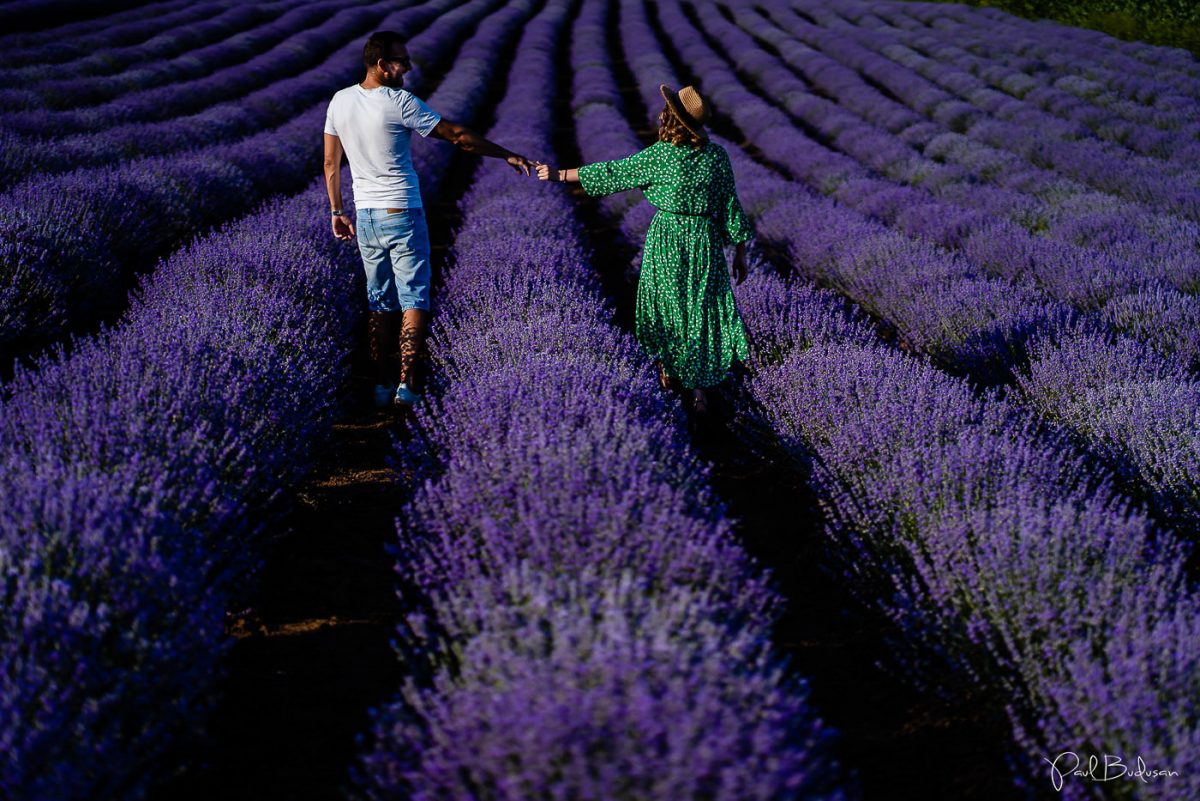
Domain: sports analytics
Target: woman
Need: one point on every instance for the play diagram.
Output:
(685, 315)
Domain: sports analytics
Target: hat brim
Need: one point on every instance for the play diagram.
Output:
(689, 122)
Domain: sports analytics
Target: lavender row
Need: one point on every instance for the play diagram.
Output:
(939, 305)
(1095, 68)
(69, 244)
(597, 109)
(56, 107)
(595, 632)
(39, 81)
(304, 58)
(945, 95)
(983, 223)
(35, 14)
(1144, 448)
(1082, 113)
(1057, 83)
(1164, 72)
(1079, 117)
(1006, 560)
(1037, 199)
(137, 474)
(1011, 571)
(124, 27)
(1141, 413)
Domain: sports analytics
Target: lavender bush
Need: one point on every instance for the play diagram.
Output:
(591, 687)
(30, 16)
(135, 472)
(1137, 410)
(271, 105)
(222, 22)
(162, 89)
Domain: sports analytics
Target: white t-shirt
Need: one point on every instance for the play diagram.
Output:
(375, 126)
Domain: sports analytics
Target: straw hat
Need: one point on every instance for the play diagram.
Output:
(689, 106)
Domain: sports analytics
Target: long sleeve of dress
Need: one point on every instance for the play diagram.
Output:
(731, 217)
(620, 175)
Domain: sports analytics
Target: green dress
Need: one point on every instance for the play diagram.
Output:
(685, 316)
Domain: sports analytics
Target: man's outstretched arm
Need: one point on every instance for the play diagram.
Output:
(468, 141)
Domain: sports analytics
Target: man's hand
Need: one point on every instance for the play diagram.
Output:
(739, 265)
(343, 228)
(520, 164)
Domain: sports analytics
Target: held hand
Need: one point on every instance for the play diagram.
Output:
(546, 173)
(739, 267)
(521, 164)
(343, 228)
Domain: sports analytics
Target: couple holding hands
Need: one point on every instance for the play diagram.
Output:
(686, 317)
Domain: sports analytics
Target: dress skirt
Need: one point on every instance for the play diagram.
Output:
(686, 315)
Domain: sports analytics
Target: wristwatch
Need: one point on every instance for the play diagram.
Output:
(339, 213)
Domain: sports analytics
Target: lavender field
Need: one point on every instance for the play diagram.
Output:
(935, 540)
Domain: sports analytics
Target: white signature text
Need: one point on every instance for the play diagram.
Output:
(1110, 768)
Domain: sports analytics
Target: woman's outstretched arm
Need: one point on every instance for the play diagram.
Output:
(606, 177)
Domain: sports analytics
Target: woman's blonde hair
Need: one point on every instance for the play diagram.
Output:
(671, 129)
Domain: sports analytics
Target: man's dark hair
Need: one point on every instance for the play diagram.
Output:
(377, 46)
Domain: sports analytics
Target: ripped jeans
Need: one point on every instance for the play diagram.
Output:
(395, 254)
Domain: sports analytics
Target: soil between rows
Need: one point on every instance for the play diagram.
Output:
(311, 654)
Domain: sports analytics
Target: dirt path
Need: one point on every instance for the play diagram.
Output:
(311, 654)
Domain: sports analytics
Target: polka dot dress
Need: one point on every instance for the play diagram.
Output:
(685, 315)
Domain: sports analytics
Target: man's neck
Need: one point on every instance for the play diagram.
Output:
(370, 82)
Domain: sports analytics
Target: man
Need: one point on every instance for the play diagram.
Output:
(372, 123)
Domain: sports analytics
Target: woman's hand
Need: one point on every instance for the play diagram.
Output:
(547, 173)
(739, 264)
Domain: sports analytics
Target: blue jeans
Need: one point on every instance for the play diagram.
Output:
(395, 254)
